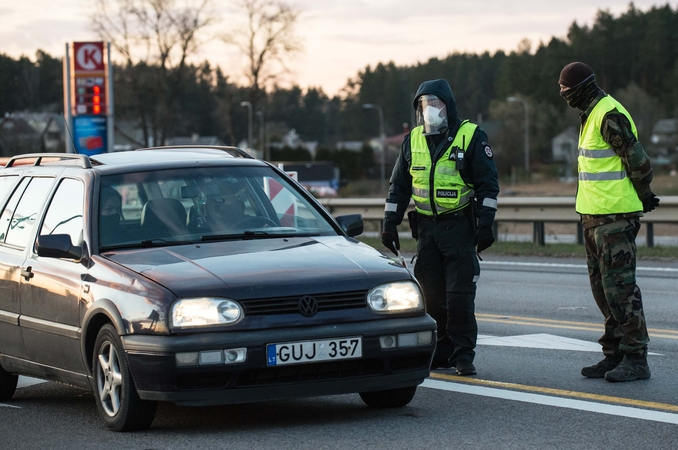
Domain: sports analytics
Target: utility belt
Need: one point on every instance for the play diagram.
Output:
(465, 213)
(447, 216)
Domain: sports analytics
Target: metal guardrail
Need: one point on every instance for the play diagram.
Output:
(537, 210)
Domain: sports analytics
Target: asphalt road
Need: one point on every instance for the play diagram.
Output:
(538, 327)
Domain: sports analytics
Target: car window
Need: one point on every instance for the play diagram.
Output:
(194, 204)
(5, 184)
(64, 215)
(8, 212)
(26, 214)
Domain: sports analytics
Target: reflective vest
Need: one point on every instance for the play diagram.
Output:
(437, 187)
(604, 186)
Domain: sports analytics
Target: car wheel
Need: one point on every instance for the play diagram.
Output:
(117, 400)
(7, 384)
(389, 398)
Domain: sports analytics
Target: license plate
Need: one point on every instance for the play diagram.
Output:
(312, 351)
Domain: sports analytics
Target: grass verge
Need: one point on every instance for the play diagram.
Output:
(529, 249)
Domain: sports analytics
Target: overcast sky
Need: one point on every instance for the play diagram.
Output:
(342, 37)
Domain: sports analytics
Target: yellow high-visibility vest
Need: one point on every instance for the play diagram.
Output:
(438, 185)
(604, 186)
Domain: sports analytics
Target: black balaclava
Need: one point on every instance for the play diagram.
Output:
(580, 85)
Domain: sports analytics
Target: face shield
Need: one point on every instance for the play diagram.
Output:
(432, 114)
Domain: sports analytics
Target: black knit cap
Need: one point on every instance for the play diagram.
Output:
(574, 73)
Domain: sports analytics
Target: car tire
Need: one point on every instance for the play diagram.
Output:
(7, 384)
(389, 398)
(117, 400)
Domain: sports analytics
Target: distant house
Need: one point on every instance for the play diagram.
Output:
(194, 139)
(564, 147)
(292, 140)
(353, 146)
(31, 133)
(665, 136)
(127, 135)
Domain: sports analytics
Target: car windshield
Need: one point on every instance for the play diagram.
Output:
(169, 207)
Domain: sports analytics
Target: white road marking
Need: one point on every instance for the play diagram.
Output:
(4, 405)
(569, 266)
(558, 402)
(542, 340)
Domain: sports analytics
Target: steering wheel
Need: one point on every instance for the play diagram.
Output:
(256, 222)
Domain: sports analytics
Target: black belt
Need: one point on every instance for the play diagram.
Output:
(447, 216)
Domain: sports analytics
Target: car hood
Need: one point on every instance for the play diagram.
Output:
(261, 268)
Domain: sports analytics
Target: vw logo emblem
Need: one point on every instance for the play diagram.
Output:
(308, 306)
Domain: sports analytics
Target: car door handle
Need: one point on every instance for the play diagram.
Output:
(27, 273)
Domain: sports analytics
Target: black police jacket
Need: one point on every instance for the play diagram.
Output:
(480, 171)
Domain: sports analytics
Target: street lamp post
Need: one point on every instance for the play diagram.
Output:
(249, 122)
(382, 137)
(260, 114)
(527, 130)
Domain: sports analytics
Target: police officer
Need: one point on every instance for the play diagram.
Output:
(445, 165)
(613, 192)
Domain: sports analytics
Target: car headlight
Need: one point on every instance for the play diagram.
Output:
(402, 296)
(198, 312)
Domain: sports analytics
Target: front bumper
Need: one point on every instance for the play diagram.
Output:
(157, 377)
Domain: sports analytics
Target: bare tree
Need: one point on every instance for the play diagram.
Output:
(155, 38)
(265, 41)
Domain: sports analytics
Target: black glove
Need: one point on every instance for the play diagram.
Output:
(485, 237)
(650, 202)
(389, 237)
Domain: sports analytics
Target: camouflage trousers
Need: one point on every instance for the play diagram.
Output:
(611, 261)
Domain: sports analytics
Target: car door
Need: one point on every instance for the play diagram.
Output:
(50, 298)
(11, 260)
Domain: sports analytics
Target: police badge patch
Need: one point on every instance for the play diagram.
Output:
(488, 151)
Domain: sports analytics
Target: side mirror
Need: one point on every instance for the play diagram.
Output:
(58, 246)
(352, 224)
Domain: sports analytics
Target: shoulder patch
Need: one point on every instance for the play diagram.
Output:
(488, 150)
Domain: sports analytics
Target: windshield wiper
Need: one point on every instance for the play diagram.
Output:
(160, 241)
(244, 235)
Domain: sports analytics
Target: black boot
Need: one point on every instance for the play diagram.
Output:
(632, 367)
(601, 368)
(465, 367)
(441, 363)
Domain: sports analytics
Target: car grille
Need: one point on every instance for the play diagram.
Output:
(299, 373)
(290, 305)
(334, 370)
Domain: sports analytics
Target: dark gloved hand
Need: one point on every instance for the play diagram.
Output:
(650, 202)
(485, 237)
(389, 237)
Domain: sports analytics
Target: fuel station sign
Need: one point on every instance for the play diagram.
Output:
(88, 93)
(89, 72)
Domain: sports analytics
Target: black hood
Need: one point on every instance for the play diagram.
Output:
(442, 90)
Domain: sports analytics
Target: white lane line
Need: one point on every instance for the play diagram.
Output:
(569, 266)
(544, 341)
(548, 341)
(558, 402)
(4, 405)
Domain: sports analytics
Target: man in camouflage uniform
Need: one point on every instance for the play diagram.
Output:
(613, 193)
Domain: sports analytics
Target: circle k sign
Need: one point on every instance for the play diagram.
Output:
(89, 56)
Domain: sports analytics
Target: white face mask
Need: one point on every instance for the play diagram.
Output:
(431, 116)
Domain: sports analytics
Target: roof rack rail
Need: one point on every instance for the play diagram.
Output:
(233, 151)
(84, 159)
